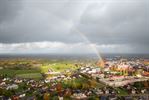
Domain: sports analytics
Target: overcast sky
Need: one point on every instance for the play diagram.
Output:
(74, 26)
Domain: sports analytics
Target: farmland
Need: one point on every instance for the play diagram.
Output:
(31, 68)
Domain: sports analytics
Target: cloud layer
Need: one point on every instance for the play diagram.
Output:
(59, 48)
(119, 25)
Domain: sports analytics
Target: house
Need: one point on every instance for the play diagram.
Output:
(13, 86)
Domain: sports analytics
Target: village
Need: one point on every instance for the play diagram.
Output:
(113, 79)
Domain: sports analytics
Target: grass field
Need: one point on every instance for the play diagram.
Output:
(57, 67)
(121, 91)
(83, 83)
(34, 73)
(30, 75)
(12, 72)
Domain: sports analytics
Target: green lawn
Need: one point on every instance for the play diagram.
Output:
(75, 83)
(100, 85)
(30, 75)
(82, 83)
(57, 67)
(13, 72)
(121, 91)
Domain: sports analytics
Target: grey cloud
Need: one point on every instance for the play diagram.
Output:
(42, 21)
(120, 22)
(9, 9)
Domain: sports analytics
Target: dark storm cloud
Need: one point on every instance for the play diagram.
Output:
(118, 23)
(108, 22)
(42, 21)
(9, 9)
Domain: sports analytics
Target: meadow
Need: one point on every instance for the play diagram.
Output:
(35, 71)
(14, 72)
(61, 67)
(30, 75)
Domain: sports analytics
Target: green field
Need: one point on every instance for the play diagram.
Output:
(57, 67)
(36, 72)
(83, 83)
(122, 91)
(30, 75)
(12, 72)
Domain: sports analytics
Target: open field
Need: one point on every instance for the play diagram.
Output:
(13, 72)
(30, 75)
(58, 67)
(15, 67)
(82, 83)
(35, 72)
(122, 91)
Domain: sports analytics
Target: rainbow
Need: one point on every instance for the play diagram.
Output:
(82, 35)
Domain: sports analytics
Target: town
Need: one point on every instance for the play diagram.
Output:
(115, 78)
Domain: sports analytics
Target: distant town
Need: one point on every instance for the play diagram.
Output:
(116, 78)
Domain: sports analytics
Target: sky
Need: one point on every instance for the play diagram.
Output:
(74, 26)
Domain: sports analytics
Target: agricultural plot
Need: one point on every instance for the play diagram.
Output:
(30, 75)
(57, 67)
(13, 72)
